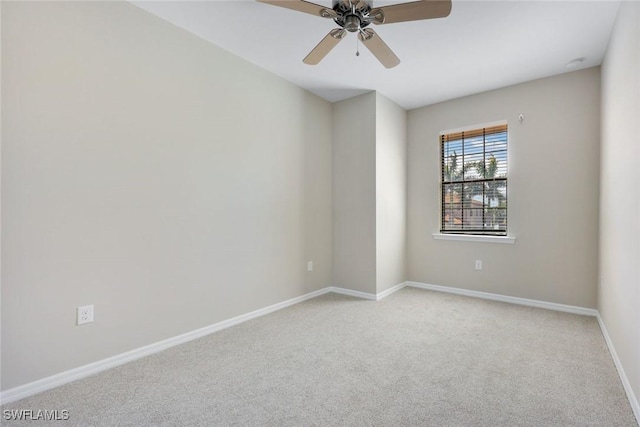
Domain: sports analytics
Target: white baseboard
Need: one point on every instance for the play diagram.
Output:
(35, 387)
(633, 401)
(38, 386)
(352, 293)
(367, 295)
(503, 298)
(389, 291)
(635, 406)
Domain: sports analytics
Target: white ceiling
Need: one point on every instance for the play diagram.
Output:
(482, 45)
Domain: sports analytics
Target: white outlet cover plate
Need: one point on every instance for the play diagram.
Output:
(85, 314)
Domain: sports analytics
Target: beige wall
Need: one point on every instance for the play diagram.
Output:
(149, 173)
(553, 192)
(354, 198)
(619, 290)
(391, 191)
(369, 193)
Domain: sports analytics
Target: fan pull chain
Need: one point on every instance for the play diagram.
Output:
(357, 46)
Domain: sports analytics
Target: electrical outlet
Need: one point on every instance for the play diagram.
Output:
(478, 264)
(310, 266)
(85, 314)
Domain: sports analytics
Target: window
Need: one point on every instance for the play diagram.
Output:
(474, 181)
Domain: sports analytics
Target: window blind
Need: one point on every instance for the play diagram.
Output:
(474, 181)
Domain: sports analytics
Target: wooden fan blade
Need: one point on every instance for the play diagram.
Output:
(326, 44)
(379, 48)
(413, 11)
(299, 5)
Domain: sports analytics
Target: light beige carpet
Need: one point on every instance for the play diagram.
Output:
(416, 358)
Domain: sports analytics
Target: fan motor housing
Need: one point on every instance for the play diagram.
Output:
(350, 18)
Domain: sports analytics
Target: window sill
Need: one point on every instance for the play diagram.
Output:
(472, 238)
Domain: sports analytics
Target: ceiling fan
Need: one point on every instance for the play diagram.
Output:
(355, 16)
